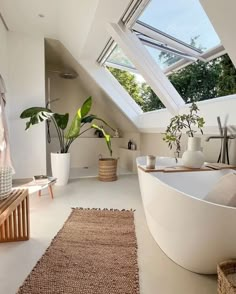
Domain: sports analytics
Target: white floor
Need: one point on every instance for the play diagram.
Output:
(158, 274)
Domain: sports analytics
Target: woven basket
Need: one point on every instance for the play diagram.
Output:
(5, 182)
(227, 277)
(107, 169)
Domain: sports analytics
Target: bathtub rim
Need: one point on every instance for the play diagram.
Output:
(184, 193)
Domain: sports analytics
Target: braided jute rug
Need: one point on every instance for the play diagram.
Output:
(95, 252)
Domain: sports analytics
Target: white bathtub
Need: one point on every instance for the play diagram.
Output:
(194, 233)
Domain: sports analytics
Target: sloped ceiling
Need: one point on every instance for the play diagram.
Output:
(79, 24)
(59, 58)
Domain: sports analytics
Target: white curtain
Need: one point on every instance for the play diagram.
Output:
(5, 156)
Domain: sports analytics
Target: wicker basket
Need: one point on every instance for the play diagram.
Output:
(107, 169)
(5, 182)
(227, 277)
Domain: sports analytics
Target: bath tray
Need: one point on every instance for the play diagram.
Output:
(172, 169)
(227, 277)
(219, 165)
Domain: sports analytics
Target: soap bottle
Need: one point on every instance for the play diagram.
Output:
(133, 146)
(129, 144)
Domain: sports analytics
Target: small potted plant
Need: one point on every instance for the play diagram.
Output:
(81, 123)
(107, 171)
(193, 157)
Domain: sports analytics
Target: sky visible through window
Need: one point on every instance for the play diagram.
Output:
(182, 19)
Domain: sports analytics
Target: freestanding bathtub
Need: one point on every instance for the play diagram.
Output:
(194, 233)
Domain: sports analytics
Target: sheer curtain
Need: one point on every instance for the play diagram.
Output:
(5, 156)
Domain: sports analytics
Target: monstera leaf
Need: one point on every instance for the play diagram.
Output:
(36, 115)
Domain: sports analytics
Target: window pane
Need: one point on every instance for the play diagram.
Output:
(200, 81)
(132, 82)
(162, 58)
(182, 19)
(138, 89)
(118, 57)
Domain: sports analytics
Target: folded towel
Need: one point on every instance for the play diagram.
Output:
(224, 192)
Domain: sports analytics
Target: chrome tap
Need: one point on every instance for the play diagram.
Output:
(224, 137)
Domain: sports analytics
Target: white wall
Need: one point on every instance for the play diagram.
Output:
(222, 16)
(26, 88)
(154, 144)
(156, 121)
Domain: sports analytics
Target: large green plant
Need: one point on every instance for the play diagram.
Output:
(179, 123)
(67, 136)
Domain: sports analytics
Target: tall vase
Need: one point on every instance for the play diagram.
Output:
(60, 163)
(193, 157)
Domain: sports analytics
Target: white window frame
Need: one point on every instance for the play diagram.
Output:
(147, 66)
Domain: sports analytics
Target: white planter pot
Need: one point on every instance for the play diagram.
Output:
(193, 157)
(60, 163)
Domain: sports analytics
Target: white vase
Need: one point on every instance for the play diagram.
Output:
(193, 157)
(60, 163)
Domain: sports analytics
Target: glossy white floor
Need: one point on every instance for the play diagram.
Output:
(158, 274)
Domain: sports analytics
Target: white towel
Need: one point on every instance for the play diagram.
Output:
(5, 157)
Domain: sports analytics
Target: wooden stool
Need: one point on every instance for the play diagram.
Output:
(49, 186)
(14, 217)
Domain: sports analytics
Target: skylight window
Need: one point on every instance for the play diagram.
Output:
(132, 81)
(202, 81)
(138, 89)
(163, 58)
(118, 59)
(182, 41)
(183, 20)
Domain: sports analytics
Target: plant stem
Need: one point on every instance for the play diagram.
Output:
(85, 131)
(70, 141)
(59, 134)
(189, 126)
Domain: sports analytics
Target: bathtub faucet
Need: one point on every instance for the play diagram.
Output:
(224, 137)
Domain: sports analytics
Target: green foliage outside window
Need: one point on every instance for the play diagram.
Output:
(197, 81)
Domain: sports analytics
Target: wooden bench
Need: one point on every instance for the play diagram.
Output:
(14, 217)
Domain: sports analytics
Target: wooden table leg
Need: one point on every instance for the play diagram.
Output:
(50, 191)
(39, 193)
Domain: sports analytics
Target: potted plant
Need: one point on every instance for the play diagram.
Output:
(60, 161)
(107, 167)
(193, 157)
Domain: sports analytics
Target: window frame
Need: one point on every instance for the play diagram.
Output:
(142, 30)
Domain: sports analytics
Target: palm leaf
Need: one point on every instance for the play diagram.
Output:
(107, 137)
(74, 129)
(86, 106)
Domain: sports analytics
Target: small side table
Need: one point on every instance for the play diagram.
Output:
(14, 217)
(49, 186)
